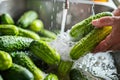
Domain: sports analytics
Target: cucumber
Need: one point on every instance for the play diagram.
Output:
(36, 25)
(6, 29)
(6, 19)
(27, 18)
(51, 77)
(89, 42)
(28, 33)
(22, 59)
(14, 43)
(64, 68)
(82, 28)
(46, 53)
(5, 60)
(75, 74)
(47, 33)
(17, 72)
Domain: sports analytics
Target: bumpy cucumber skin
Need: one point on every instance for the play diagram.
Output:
(8, 29)
(51, 77)
(14, 43)
(5, 60)
(75, 74)
(22, 59)
(17, 72)
(82, 28)
(45, 52)
(27, 18)
(28, 33)
(64, 68)
(89, 42)
(6, 19)
(47, 33)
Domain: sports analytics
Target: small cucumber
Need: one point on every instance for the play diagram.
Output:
(46, 53)
(51, 77)
(22, 59)
(8, 29)
(75, 74)
(27, 18)
(17, 72)
(28, 33)
(6, 19)
(47, 33)
(14, 43)
(36, 25)
(5, 60)
(82, 28)
(64, 68)
(89, 42)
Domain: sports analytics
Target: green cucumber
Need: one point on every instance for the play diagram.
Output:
(17, 72)
(14, 43)
(46, 53)
(28, 33)
(82, 28)
(22, 59)
(6, 19)
(51, 77)
(5, 60)
(27, 18)
(8, 29)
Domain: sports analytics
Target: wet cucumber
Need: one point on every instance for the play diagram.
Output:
(5, 60)
(46, 53)
(51, 77)
(89, 42)
(6, 19)
(27, 18)
(17, 72)
(28, 33)
(8, 29)
(14, 43)
(82, 28)
(22, 59)
(75, 74)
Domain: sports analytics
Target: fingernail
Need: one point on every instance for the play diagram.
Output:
(94, 22)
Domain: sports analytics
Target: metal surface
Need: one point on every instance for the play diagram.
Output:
(50, 11)
(117, 2)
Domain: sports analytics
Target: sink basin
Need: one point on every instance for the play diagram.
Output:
(50, 11)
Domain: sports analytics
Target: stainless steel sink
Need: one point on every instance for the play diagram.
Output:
(50, 11)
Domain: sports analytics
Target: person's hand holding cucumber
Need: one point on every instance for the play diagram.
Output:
(112, 41)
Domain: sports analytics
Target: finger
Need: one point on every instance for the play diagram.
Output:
(115, 47)
(117, 12)
(103, 45)
(104, 21)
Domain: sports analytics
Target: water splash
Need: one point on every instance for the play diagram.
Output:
(93, 5)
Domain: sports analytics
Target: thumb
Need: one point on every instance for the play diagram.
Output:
(103, 45)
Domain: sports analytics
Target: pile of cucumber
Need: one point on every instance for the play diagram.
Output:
(26, 55)
(24, 52)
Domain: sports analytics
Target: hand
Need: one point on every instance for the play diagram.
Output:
(112, 41)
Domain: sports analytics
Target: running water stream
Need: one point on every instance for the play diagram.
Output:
(63, 20)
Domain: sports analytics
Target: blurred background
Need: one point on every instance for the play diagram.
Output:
(50, 11)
